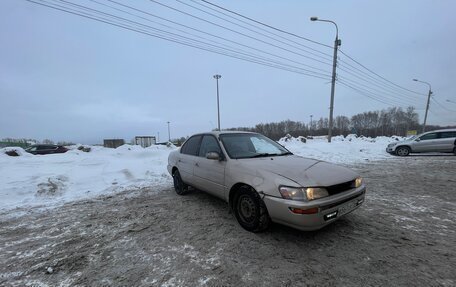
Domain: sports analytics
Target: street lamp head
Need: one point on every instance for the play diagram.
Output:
(416, 80)
(217, 77)
(314, 18)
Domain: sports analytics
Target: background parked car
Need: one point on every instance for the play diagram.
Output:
(46, 149)
(434, 141)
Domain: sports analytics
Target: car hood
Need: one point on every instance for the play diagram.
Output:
(304, 171)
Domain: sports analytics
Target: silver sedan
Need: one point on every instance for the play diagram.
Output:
(263, 182)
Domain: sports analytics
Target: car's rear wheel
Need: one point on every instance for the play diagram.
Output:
(403, 151)
(179, 186)
(250, 210)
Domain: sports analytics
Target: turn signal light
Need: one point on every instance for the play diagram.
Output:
(312, 210)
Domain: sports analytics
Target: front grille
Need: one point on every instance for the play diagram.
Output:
(341, 187)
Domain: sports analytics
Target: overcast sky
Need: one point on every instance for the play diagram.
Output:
(69, 78)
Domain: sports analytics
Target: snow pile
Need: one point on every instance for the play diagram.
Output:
(48, 180)
(343, 150)
(13, 151)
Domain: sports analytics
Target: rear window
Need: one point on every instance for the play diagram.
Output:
(191, 146)
(445, 135)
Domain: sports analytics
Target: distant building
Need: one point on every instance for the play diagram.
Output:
(113, 143)
(145, 141)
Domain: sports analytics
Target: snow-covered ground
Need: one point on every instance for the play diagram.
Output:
(50, 180)
(342, 150)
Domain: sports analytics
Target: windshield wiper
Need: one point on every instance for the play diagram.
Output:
(264, 155)
(285, 153)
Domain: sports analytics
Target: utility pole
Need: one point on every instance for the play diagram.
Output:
(337, 43)
(310, 128)
(217, 77)
(427, 104)
(158, 137)
(169, 133)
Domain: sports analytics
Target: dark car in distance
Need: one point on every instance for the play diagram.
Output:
(46, 149)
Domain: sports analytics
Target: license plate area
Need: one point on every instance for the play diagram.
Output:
(343, 209)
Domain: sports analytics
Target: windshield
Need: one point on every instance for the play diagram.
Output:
(251, 145)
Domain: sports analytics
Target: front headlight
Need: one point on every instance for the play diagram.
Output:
(302, 193)
(392, 144)
(316, 192)
(293, 193)
(358, 182)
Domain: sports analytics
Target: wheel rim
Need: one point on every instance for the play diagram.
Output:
(402, 151)
(246, 209)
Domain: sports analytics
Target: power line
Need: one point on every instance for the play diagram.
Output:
(371, 95)
(266, 25)
(225, 50)
(231, 30)
(374, 81)
(203, 32)
(384, 91)
(327, 56)
(171, 39)
(351, 58)
(442, 106)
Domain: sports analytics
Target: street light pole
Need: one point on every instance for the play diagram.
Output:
(169, 133)
(310, 128)
(337, 43)
(427, 104)
(217, 77)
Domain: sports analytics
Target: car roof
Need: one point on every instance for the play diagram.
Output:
(442, 130)
(217, 133)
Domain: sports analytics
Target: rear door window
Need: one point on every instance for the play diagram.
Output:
(191, 146)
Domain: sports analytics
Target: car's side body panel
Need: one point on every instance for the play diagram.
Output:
(209, 175)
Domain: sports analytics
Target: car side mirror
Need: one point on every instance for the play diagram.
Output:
(417, 140)
(213, 155)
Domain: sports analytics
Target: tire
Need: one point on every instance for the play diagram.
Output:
(250, 210)
(454, 151)
(179, 186)
(402, 151)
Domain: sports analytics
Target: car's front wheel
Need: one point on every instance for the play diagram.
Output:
(250, 210)
(402, 151)
(454, 151)
(179, 186)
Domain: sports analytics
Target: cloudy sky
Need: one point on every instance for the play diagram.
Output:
(70, 78)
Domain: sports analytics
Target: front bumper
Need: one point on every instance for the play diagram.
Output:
(390, 150)
(329, 209)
